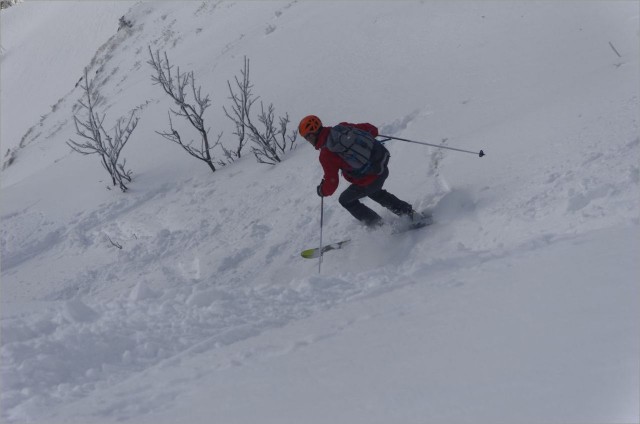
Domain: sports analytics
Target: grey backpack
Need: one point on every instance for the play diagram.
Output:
(364, 154)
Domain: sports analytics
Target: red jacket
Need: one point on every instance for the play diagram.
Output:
(332, 163)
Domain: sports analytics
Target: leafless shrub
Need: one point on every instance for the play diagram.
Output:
(270, 141)
(175, 86)
(124, 23)
(97, 140)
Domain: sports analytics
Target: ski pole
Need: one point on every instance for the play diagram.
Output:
(388, 137)
(321, 222)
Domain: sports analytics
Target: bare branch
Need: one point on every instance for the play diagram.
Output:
(192, 111)
(98, 140)
(614, 49)
(270, 142)
(113, 243)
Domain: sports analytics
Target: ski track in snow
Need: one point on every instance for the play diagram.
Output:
(133, 284)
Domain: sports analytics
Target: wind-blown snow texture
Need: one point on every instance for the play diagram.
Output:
(520, 304)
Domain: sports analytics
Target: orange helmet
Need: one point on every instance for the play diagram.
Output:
(309, 124)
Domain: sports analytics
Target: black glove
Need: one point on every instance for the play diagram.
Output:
(319, 190)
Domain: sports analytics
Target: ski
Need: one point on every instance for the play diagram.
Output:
(315, 252)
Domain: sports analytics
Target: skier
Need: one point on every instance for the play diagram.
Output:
(366, 181)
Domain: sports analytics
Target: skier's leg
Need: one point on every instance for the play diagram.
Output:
(386, 199)
(391, 202)
(350, 200)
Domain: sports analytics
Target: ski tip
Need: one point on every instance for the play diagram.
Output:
(309, 253)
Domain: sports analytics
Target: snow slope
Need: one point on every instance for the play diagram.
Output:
(521, 304)
(39, 40)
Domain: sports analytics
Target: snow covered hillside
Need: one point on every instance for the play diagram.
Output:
(520, 304)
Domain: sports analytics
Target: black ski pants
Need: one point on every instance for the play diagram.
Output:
(350, 200)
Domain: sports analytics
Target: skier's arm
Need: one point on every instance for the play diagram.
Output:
(331, 167)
